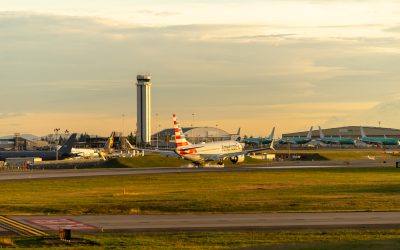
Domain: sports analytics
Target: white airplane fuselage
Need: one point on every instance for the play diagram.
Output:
(85, 152)
(204, 152)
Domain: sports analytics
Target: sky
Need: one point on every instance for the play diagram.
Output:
(251, 64)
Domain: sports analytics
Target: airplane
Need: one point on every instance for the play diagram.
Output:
(297, 140)
(203, 153)
(63, 152)
(379, 141)
(334, 140)
(94, 152)
(260, 140)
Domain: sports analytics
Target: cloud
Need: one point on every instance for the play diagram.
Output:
(62, 64)
(385, 113)
(10, 115)
(394, 29)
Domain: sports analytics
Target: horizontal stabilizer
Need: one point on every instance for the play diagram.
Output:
(189, 147)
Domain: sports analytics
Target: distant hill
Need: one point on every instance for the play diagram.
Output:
(25, 136)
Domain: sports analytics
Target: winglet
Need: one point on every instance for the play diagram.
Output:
(321, 134)
(363, 135)
(309, 136)
(271, 136)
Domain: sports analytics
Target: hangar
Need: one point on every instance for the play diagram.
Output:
(349, 131)
(166, 137)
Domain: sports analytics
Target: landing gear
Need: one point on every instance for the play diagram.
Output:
(220, 162)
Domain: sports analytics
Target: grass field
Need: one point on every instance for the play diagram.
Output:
(285, 240)
(367, 189)
(154, 160)
(157, 161)
(348, 154)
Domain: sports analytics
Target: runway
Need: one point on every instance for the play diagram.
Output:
(213, 222)
(79, 173)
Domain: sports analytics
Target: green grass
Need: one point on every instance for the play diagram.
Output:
(353, 154)
(159, 161)
(146, 162)
(285, 240)
(305, 190)
(156, 161)
(345, 154)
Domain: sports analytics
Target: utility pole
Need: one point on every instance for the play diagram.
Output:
(56, 130)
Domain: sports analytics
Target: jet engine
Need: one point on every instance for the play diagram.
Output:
(237, 159)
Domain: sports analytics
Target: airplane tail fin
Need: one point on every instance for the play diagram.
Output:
(309, 136)
(67, 146)
(271, 136)
(321, 134)
(110, 142)
(362, 132)
(180, 138)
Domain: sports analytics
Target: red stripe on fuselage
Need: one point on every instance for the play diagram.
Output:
(187, 152)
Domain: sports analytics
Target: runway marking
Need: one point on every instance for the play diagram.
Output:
(55, 224)
(20, 228)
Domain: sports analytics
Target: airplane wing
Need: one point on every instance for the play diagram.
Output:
(167, 153)
(189, 147)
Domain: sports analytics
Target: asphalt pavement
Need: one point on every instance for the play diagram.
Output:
(213, 222)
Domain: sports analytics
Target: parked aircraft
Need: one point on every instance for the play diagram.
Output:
(334, 140)
(63, 152)
(203, 153)
(95, 152)
(297, 140)
(379, 141)
(260, 140)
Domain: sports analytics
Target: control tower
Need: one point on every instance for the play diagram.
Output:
(143, 109)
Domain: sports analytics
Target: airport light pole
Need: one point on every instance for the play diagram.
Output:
(56, 130)
(193, 138)
(123, 143)
(157, 130)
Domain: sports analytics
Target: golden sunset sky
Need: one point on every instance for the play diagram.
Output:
(250, 64)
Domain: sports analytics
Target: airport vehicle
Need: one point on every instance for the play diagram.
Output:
(379, 141)
(203, 153)
(260, 140)
(334, 139)
(63, 152)
(297, 140)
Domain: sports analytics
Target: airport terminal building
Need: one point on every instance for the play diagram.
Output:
(349, 131)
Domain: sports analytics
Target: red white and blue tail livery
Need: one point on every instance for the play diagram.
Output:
(200, 154)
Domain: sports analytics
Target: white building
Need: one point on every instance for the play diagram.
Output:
(143, 109)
